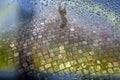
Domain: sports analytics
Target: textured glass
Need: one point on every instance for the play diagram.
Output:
(60, 39)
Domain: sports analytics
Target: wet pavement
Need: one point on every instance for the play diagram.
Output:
(88, 47)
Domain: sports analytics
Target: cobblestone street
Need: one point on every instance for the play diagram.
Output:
(82, 49)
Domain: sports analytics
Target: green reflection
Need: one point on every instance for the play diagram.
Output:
(6, 63)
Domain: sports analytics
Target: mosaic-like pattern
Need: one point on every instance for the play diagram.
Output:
(88, 47)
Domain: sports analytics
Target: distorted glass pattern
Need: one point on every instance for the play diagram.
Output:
(60, 39)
